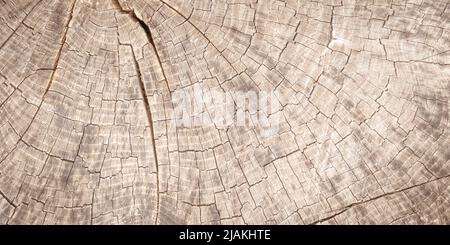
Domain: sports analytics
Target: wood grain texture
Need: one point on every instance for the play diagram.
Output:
(89, 91)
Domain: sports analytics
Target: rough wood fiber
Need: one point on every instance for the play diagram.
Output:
(87, 93)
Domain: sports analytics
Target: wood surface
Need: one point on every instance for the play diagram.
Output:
(88, 122)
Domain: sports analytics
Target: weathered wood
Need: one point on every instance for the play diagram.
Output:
(110, 112)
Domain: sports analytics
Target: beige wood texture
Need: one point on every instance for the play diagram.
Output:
(87, 133)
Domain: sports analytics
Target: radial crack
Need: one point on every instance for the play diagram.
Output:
(8, 200)
(195, 27)
(152, 131)
(148, 33)
(58, 56)
(144, 95)
(346, 208)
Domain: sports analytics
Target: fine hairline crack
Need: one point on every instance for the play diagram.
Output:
(346, 208)
(52, 75)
